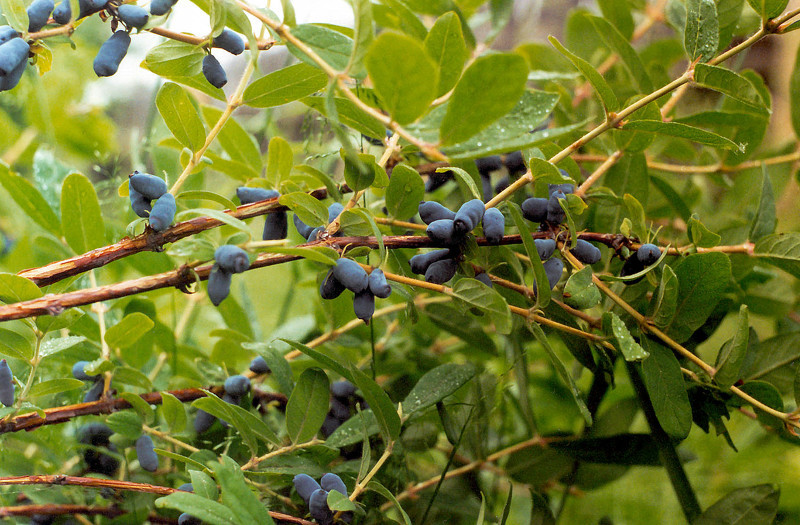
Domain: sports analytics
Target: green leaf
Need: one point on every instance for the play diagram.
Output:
(620, 449)
(128, 330)
(15, 14)
(395, 14)
(765, 220)
(465, 177)
(636, 215)
(181, 63)
(203, 484)
(756, 505)
(284, 86)
(15, 346)
(81, 219)
(352, 431)
(140, 406)
(59, 344)
(469, 109)
(30, 200)
(363, 33)
(204, 509)
(580, 292)
(445, 44)
(238, 143)
(404, 76)
(768, 8)
(436, 385)
(332, 46)
(237, 496)
(127, 423)
(728, 83)
(339, 502)
(561, 370)
(767, 394)
(702, 278)
(349, 115)
(307, 405)
(14, 289)
(173, 412)
(54, 386)
(180, 116)
(477, 295)
(368, 219)
(218, 215)
(630, 349)
(619, 14)
(497, 139)
(310, 210)
(732, 354)
(665, 299)
(701, 34)
(320, 254)
(779, 249)
(700, 235)
(774, 360)
(794, 96)
(327, 361)
(359, 172)
(236, 416)
(676, 129)
(207, 196)
(280, 160)
(386, 493)
(663, 378)
(541, 282)
(601, 87)
(385, 411)
(404, 192)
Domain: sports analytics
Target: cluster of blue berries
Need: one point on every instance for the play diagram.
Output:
(343, 395)
(275, 224)
(144, 189)
(449, 229)
(212, 69)
(316, 494)
(235, 387)
(228, 260)
(13, 57)
(96, 390)
(349, 275)
(514, 164)
(97, 436)
(645, 256)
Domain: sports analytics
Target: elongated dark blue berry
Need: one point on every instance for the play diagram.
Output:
(188, 519)
(95, 434)
(203, 421)
(214, 72)
(586, 252)
(648, 254)
(12, 54)
(318, 507)
(140, 204)
(442, 231)
(62, 14)
(10, 81)
(545, 248)
(485, 279)
(133, 15)
(231, 259)
(343, 389)
(88, 7)
(276, 226)
(38, 14)
(631, 266)
(79, 373)
(555, 213)
(94, 393)
(161, 7)
(314, 233)
(334, 210)
(514, 163)
(468, 216)
(351, 275)
(259, 366)
(230, 42)
(494, 225)
(553, 267)
(237, 385)
(430, 211)
(148, 459)
(489, 164)
(249, 195)
(219, 285)
(163, 212)
(150, 186)
(111, 53)
(534, 209)
(563, 188)
(330, 288)
(305, 485)
(302, 228)
(441, 271)
(339, 409)
(6, 384)
(364, 305)
(331, 481)
(378, 284)
(7, 33)
(186, 487)
(420, 262)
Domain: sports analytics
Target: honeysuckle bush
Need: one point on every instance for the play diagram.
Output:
(668, 393)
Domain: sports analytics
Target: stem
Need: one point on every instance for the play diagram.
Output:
(34, 366)
(361, 485)
(166, 437)
(599, 172)
(666, 450)
(196, 40)
(291, 448)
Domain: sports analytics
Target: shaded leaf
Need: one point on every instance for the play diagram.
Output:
(663, 378)
(308, 405)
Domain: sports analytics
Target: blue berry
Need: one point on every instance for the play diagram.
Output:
(302, 228)
(259, 366)
(351, 275)
(237, 385)
(420, 262)
(188, 519)
(514, 163)
(318, 507)
(140, 204)
(214, 72)
(378, 284)
(534, 209)
(230, 42)
(343, 389)
(231, 259)
(94, 393)
(219, 285)
(330, 288)
(334, 210)
(249, 195)
(161, 7)
(489, 164)
(563, 188)
(468, 216)
(12, 54)
(275, 226)
(163, 212)
(494, 225)
(545, 248)
(150, 186)
(38, 14)
(203, 421)
(553, 267)
(111, 53)
(442, 231)
(6, 384)
(430, 211)
(485, 279)
(88, 7)
(305, 485)
(133, 15)
(186, 487)
(314, 234)
(79, 373)
(62, 14)
(441, 271)
(145, 453)
(648, 254)
(364, 305)
(7, 33)
(331, 481)
(586, 252)
(555, 213)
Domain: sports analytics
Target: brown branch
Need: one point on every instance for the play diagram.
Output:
(196, 40)
(52, 416)
(60, 479)
(54, 509)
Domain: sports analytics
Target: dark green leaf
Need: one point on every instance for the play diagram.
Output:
(607, 96)
(663, 378)
(461, 325)
(665, 300)
(445, 44)
(404, 192)
(729, 83)
(285, 85)
(621, 449)
(310, 210)
(768, 8)
(765, 220)
(359, 173)
(332, 46)
(701, 35)
(307, 405)
(732, 354)
(81, 219)
(385, 411)
(237, 496)
(540, 276)
(676, 129)
(207, 510)
(781, 250)
(540, 511)
(55, 386)
(436, 385)
(756, 505)
(769, 396)
(352, 431)
(477, 295)
(128, 330)
(580, 292)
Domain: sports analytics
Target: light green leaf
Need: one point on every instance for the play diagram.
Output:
(128, 330)
(580, 292)
(310, 210)
(701, 34)
(285, 85)
(630, 349)
(349, 115)
(54, 386)
(676, 129)
(209, 511)
(173, 412)
(30, 200)
(237, 496)
(15, 346)
(238, 143)
(464, 177)
(765, 220)
(127, 423)
(181, 63)
(728, 83)
(601, 87)
(445, 44)
(81, 218)
(540, 276)
(15, 14)
(14, 289)
(207, 196)
(218, 215)
(404, 192)
(320, 254)
(768, 8)
(280, 160)
(404, 76)
(59, 344)
(180, 116)
(363, 33)
(332, 46)
(307, 406)
(470, 110)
